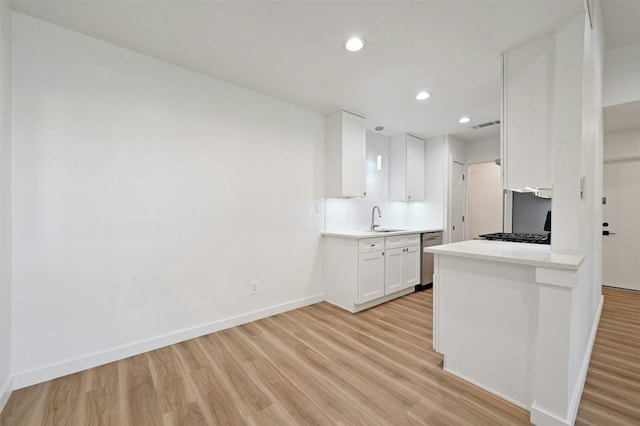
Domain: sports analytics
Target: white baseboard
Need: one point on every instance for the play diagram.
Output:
(5, 392)
(38, 375)
(574, 402)
(541, 417)
(493, 391)
(355, 308)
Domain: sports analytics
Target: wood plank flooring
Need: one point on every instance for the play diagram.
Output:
(612, 391)
(320, 365)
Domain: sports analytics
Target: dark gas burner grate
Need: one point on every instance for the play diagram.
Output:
(518, 238)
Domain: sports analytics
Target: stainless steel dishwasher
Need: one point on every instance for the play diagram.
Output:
(429, 239)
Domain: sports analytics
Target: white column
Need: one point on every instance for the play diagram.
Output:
(567, 137)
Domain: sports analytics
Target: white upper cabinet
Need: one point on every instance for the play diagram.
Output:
(406, 173)
(527, 114)
(345, 155)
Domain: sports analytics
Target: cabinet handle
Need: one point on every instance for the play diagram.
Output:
(364, 193)
(409, 197)
(383, 253)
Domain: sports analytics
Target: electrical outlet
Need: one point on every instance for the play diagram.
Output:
(254, 287)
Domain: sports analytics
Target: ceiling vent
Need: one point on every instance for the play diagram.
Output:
(487, 124)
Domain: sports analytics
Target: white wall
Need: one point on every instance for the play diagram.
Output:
(576, 222)
(483, 151)
(146, 198)
(5, 202)
(431, 212)
(587, 296)
(566, 136)
(624, 144)
(622, 75)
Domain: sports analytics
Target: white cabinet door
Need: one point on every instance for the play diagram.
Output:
(527, 108)
(402, 263)
(393, 270)
(415, 169)
(406, 169)
(353, 155)
(370, 276)
(411, 266)
(345, 155)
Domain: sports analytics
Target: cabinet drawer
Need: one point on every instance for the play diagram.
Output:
(402, 241)
(371, 244)
(413, 239)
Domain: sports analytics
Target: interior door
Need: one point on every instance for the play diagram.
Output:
(456, 227)
(621, 248)
(485, 198)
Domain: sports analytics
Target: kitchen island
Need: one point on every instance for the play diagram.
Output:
(505, 319)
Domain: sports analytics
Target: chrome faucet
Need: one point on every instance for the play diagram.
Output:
(373, 225)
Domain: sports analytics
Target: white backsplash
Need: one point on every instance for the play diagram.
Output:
(354, 214)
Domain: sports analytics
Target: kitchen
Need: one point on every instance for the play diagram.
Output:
(109, 211)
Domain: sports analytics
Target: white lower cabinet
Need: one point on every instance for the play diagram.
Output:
(370, 276)
(393, 270)
(411, 266)
(402, 262)
(361, 273)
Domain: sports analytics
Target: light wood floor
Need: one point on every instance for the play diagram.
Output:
(612, 392)
(322, 365)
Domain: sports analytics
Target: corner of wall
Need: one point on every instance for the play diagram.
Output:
(6, 383)
(5, 393)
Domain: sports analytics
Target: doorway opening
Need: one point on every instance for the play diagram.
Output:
(485, 199)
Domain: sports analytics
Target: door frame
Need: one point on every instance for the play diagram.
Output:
(450, 198)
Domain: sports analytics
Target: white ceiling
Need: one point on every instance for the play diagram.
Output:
(294, 50)
(622, 117)
(622, 22)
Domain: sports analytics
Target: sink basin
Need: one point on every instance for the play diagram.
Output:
(388, 230)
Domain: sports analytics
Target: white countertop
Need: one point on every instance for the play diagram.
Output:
(371, 234)
(502, 251)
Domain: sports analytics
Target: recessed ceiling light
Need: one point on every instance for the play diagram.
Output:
(421, 96)
(464, 120)
(354, 44)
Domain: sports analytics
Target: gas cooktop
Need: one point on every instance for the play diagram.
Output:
(518, 238)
